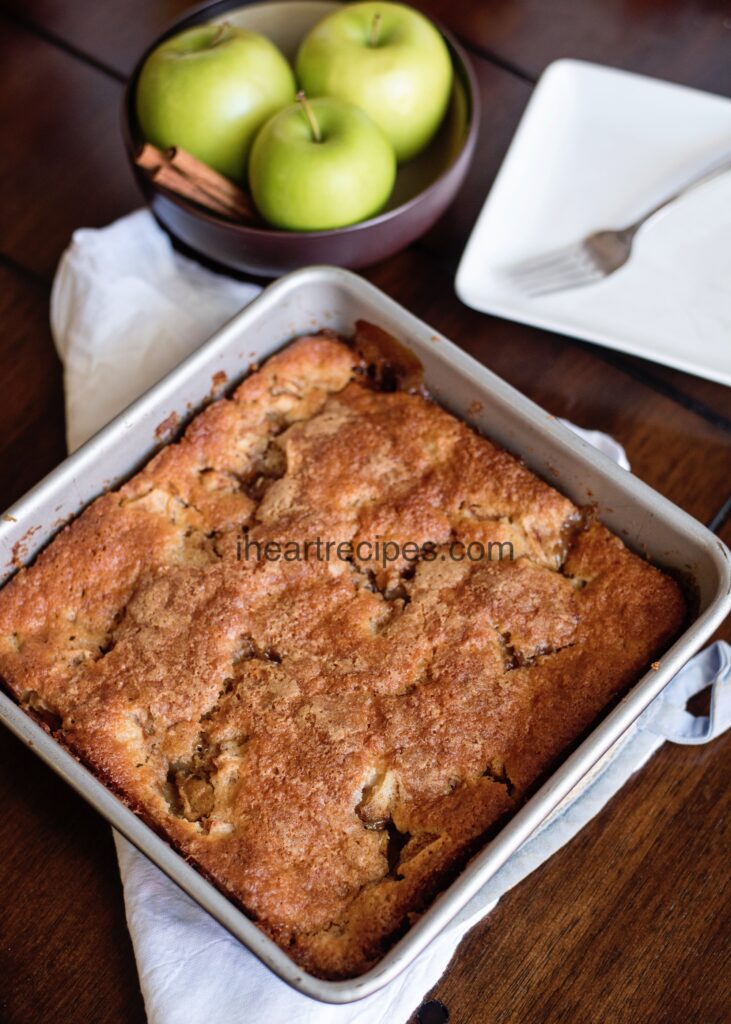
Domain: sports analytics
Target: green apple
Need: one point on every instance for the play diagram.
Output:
(319, 165)
(387, 59)
(209, 89)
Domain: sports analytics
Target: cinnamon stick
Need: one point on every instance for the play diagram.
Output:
(149, 157)
(169, 178)
(211, 181)
(180, 172)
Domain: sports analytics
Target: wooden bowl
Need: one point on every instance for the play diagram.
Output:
(425, 186)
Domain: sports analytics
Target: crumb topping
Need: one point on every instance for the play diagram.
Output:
(329, 740)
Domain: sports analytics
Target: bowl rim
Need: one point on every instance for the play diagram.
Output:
(197, 15)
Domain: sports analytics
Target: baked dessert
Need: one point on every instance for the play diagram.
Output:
(329, 735)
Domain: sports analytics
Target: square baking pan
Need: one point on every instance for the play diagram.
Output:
(328, 297)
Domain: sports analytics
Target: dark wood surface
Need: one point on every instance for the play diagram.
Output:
(629, 922)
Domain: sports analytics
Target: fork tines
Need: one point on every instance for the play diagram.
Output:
(569, 267)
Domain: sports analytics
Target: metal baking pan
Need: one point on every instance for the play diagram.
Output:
(329, 297)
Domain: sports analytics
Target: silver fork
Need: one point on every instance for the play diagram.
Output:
(599, 254)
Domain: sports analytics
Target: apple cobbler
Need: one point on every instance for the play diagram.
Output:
(329, 739)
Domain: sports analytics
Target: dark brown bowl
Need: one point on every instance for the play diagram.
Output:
(424, 187)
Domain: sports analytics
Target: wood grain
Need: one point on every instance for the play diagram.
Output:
(65, 953)
(62, 163)
(685, 41)
(627, 922)
(107, 31)
(503, 98)
(705, 396)
(31, 413)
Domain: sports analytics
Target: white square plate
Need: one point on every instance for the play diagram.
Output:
(596, 148)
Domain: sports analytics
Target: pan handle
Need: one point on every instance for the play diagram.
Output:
(669, 717)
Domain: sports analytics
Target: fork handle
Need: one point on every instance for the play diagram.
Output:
(718, 167)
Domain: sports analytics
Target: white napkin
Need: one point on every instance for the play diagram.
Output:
(126, 308)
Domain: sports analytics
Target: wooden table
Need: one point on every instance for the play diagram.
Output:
(625, 924)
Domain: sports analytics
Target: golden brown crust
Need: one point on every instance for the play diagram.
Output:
(329, 739)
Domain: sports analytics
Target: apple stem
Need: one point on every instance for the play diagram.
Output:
(220, 33)
(310, 115)
(375, 29)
